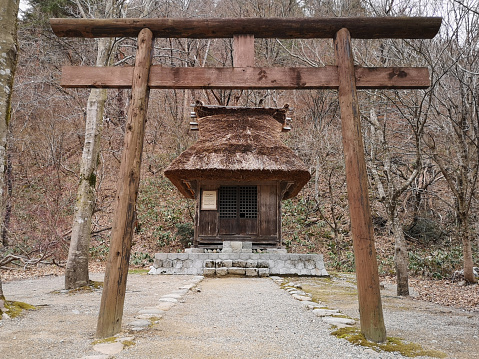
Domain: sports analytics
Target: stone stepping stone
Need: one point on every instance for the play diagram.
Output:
(172, 295)
(165, 305)
(101, 356)
(149, 316)
(301, 297)
(339, 322)
(187, 287)
(322, 312)
(311, 305)
(180, 291)
(125, 339)
(197, 279)
(153, 311)
(140, 323)
(169, 300)
(108, 348)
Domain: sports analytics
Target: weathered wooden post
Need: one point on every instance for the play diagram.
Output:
(113, 296)
(370, 308)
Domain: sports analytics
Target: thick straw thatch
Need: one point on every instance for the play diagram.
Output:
(239, 144)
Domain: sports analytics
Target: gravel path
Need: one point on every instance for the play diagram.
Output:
(242, 318)
(221, 318)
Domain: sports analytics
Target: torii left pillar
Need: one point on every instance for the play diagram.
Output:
(114, 288)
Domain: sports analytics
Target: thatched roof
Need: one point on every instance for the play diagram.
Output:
(239, 144)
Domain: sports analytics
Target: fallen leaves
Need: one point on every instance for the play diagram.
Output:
(446, 292)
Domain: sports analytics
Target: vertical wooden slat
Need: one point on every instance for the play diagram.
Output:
(243, 51)
(113, 296)
(268, 210)
(197, 213)
(370, 307)
(279, 230)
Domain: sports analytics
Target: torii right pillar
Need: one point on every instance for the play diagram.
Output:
(370, 307)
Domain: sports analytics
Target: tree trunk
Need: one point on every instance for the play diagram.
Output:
(401, 259)
(8, 62)
(7, 200)
(2, 297)
(76, 273)
(466, 249)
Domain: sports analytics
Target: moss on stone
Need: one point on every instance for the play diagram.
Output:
(320, 295)
(138, 271)
(90, 287)
(95, 284)
(411, 350)
(108, 340)
(14, 309)
(128, 343)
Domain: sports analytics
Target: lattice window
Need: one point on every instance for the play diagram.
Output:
(238, 202)
(228, 202)
(248, 202)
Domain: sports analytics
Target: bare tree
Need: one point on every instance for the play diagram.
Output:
(453, 138)
(393, 174)
(76, 273)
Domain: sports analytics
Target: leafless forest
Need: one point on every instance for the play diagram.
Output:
(422, 146)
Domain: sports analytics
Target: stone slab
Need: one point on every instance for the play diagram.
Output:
(154, 311)
(279, 263)
(140, 323)
(194, 250)
(321, 312)
(221, 271)
(236, 271)
(338, 321)
(108, 348)
(251, 272)
(263, 272)
(209, 272)
(165, 305)
(168, 300)
(149, 316)
(172, 295)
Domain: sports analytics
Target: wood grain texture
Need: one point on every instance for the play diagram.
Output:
(246, 77)
(243, 50)
(268, 210)
(370, 307)
(281, 28)
(114, 288)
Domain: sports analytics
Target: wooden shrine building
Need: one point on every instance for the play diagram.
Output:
(238, 172)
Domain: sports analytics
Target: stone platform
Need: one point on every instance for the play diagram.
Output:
(238, 258)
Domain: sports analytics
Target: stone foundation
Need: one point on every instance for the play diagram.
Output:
(235, 259)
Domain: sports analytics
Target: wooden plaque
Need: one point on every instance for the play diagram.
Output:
(208, 201)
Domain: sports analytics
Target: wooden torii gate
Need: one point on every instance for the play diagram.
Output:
(243, 75)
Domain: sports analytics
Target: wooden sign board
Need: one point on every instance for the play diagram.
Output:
(208, 200)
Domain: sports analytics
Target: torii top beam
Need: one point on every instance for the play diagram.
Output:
(280, 28)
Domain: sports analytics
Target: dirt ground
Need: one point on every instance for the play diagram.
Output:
(65, 323)
(451, 330)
